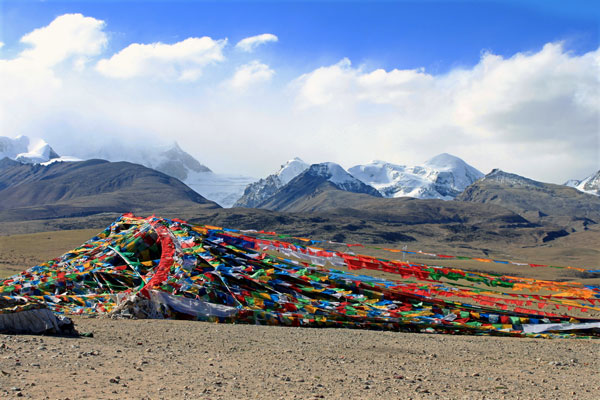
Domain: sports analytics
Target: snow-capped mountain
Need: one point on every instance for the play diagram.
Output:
(167, 158)
(171, 159)
(590, 185)
(177, 163)
(320, 184)
(26, 150)
(337, 175)
(257, 192)
(224, 189)
(442, 177)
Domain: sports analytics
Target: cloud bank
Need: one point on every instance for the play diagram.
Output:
(534, 113)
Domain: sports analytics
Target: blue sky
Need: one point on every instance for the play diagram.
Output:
(485, 80)
(436, 35)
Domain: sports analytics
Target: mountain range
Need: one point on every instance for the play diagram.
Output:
(69, 189)
(170, 159)
(444, 191)
(442, 177)
(321, 200)
(320, 182)
(538, 202)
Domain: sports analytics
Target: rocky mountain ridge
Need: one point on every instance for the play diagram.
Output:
(259, 191)
(300, 192)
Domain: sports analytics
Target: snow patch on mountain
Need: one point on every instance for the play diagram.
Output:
(291, 169)
(343, 180)
(572, 183)
(334, 173)
(442, 177)
(590, 185)
(257, 192)
(26, 150)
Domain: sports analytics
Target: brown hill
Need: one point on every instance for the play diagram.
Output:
(542, 203)
(66, 189)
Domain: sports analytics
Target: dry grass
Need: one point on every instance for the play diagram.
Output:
(19, 252)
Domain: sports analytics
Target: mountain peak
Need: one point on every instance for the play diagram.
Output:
(257, 192)
(507, 178)
(444, 159)
(291, 169)
(441, 177)
(320, 182)
(329, 170)
(23, 149)
(178, 163)
(342, 179)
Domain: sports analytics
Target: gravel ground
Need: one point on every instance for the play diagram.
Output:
(161, 359)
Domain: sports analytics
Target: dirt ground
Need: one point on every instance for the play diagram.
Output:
(158, 359)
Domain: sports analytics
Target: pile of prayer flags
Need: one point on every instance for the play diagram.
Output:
(214, 274)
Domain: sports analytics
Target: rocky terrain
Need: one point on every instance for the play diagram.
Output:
(163, 359)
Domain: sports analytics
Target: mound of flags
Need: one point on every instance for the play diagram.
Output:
(180, 270)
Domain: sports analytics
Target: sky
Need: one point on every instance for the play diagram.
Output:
(244, 86)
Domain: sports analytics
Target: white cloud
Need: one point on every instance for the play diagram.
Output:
(30, 84)
(183, 60)
(250, 43)
(546, 95)
(1, 44)
(340, 84)
(67, 36)
(250, 74)
(535, 114)
(516, 113)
